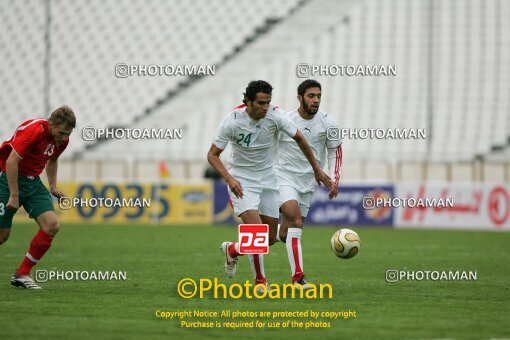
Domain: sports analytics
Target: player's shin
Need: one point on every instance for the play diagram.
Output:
(293, 244)
(257, 267)
(38, 247)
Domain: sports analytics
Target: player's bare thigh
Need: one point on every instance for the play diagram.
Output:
(273, 227)
(4, 234)
(48, 222)
(253, 217)
(291, 216)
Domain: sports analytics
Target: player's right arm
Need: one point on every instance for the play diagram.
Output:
(213, 156)
(220, 142)
(22, 143)
(12, 179)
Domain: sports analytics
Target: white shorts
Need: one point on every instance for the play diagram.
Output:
(288, 193)
(264, 199)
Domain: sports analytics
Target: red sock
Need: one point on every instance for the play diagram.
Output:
(232, 250)
(39, 245)
(258, 268)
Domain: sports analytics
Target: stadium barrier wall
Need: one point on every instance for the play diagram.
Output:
(346, 209)
(169, 203)
(476, 206)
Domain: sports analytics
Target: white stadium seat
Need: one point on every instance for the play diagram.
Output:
(470, 69)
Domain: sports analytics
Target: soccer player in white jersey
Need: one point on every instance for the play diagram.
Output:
(295, 177)
(252, 130)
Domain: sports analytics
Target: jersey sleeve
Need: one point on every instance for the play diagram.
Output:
(332, 143)
(25, 139)
(334, 149)
(223, 134)
(335, 163)
(285, 124)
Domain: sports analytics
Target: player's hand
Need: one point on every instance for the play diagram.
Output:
(57, 193)
(322, 177)
(235, 186)
(333, 192)
(13, 203)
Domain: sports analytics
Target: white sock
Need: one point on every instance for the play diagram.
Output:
(293, 244)
(257, 266)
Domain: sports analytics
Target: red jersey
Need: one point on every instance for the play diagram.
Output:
(33, 142)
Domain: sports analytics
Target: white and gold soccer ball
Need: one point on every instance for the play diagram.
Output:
(345, 243)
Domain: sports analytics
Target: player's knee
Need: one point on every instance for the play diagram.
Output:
(272, 240)
(51, 228)
(3, 238)
(296, 222)
(283, 235)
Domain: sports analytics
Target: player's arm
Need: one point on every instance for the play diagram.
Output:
(12, 179)
(51, 173)
(213, 157)
(334, 164)
(320, 175)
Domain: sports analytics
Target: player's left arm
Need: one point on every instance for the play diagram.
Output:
(51, 173)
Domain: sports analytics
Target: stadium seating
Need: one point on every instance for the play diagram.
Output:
(461, 53)
(466, 82)
(87, 40)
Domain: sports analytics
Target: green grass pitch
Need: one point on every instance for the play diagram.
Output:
(157, 257)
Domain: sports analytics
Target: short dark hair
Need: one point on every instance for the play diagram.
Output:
(64, 115)
(309, 83)
(255, 87)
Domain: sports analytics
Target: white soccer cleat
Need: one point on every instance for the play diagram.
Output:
(302, 284)
(230, 262)
(24, 281)
(262, 287)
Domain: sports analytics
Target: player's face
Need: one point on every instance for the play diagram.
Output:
(311, 100)
(60, 133)
(258, 108)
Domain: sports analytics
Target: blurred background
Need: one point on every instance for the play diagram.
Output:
(453, 79)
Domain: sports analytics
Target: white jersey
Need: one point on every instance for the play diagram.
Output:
(253, 141)
(292, 166)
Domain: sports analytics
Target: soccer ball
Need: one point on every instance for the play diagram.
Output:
(345, 243)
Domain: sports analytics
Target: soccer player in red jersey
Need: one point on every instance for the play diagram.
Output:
(35, 145)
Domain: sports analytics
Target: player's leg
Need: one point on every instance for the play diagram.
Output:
(294, 208)
(48, 228)
(248, 217)
(247, 209)
(4, 234)
(39, 205)
(231, 249)
(6, 215)
(286, 194)
(292, 215)
(269, 215)
(281, 232)
(256, 260)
